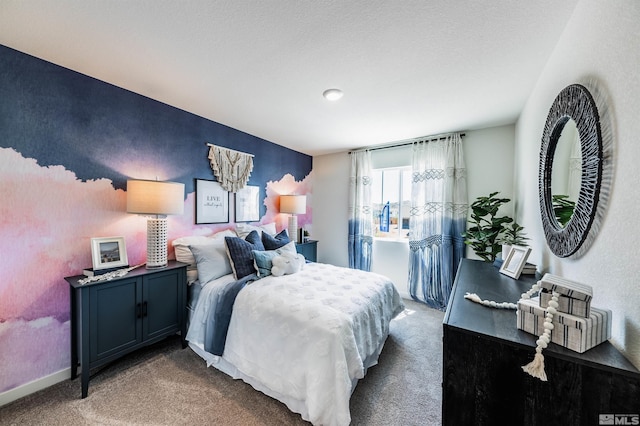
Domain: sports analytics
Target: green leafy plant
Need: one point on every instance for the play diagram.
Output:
(513, 235)
(563, 208)
(484, 233)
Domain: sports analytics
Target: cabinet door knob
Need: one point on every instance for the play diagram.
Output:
(138, 311)
(144, 309)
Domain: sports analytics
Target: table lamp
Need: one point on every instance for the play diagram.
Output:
(293, 205)
(149, 197)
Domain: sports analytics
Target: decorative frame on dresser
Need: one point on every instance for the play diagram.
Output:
(483, 352)
(111, 318)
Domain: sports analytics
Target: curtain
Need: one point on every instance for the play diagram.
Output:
(438, 217)
(360, 212)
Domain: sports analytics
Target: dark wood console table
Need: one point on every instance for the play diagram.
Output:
(483, 351)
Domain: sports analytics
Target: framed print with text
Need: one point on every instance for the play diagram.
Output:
(212, 202)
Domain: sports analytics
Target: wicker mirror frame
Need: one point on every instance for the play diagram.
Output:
(573, 102)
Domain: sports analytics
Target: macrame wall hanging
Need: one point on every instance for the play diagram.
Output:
(231, 168)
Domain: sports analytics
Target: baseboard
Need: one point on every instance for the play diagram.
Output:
(34, 386)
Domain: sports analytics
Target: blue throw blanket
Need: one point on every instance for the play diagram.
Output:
(217, 325)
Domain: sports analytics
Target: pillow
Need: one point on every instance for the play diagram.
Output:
(211, 260)
(262, 260)
(275, 242)
(243, 229)
(181, 245)
(240, 253)
(286, 264)
(290, 247)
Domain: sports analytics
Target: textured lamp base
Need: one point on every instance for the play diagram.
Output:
(156, 243)
(293, 228)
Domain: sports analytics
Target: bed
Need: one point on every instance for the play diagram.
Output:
(304, 339)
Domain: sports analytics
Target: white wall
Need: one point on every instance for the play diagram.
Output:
(488, 154)
(601, 41)
(330, 207)
(489, 158)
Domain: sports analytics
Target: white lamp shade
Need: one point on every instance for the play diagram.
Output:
(154, 197)
(293, 204)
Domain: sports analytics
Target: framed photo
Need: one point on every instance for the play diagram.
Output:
(108, 253)
(247, 205)
(515, 261)
(212, 202)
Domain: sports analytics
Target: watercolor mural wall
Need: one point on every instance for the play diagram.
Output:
(68, 144)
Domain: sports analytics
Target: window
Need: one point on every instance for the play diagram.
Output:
(392, 187)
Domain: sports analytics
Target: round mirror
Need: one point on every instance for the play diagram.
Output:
(573, 104)
(566, 173)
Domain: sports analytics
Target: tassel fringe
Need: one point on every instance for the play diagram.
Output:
(536, 367)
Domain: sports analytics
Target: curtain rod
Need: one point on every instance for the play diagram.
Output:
(229, 149)
(407, 142)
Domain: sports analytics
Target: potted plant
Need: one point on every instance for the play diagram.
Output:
(512, 235)
(486, 226)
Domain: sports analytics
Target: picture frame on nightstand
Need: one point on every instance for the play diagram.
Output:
(108, 253)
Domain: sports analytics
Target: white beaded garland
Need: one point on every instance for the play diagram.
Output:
(536, 367)
(504, 305)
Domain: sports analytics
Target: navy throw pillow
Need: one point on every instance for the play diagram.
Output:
(273, 243)
(240, 253)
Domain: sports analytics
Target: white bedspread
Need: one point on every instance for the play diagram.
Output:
(306, 336)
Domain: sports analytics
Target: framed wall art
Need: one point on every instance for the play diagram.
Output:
(212, 202)
(108, 253)
(515, 261)
(247, 205)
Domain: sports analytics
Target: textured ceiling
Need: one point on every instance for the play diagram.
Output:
(407, 68)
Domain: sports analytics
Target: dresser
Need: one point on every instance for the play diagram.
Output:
(112, 318)
(483, 351)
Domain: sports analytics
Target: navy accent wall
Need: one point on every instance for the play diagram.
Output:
(61, 117)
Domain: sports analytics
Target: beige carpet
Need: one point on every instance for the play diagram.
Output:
(166, 385)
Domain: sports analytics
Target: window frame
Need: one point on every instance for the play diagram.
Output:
(396, 236)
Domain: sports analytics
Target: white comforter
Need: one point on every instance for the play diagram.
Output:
(308, 336)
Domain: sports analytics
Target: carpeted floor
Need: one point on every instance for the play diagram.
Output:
(166, 385)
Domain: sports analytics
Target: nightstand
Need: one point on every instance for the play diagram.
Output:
(112, 318)
(309, 250)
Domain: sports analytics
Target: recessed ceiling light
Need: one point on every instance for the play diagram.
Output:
(332, 94)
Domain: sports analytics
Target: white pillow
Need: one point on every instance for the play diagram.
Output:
(243, 229)
(211, 260)
(181, 247)
(290, 247)
(184, 255)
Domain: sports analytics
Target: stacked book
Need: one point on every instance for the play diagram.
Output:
(527, 269)
(577, 325)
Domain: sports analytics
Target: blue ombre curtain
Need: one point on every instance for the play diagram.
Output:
(438, 218)
(360, 212)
